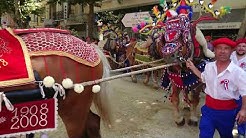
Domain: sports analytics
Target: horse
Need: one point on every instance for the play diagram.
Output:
(113, 46)
(139, 52)
(104, 45)
(56, 53)
(180, 41)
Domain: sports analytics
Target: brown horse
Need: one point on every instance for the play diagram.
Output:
(138, 52)
(114, 48)
(74, 110)
(180, 42)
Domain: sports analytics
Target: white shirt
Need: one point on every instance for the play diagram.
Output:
(229, 84)
(241, 63)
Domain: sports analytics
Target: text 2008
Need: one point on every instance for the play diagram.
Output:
(29, 116)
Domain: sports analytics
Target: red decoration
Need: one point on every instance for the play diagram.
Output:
(14, 63)
(176, 79)
(53, 43)
(213, 1)
(183, 11)
(28, 117)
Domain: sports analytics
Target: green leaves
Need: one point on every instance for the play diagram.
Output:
(21, 9)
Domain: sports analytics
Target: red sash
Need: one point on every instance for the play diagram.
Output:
(220, 104)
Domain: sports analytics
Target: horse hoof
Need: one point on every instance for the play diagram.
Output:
(145, 82)
(134, 80)
(186, 108)
(180, 123)
(155, 86)
(192, 123)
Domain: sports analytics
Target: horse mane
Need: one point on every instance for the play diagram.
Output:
(101, 99)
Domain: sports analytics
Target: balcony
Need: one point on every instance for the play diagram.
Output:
(77, 19)
(57, 16)
(72, 19)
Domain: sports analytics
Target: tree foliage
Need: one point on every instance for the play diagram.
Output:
(90, 3)
(91, 15)
(21, 9)
(109, 17)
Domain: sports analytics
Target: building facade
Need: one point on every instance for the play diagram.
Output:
(227, 26)
(75, 16)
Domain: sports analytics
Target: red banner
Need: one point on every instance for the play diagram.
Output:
(28, 117)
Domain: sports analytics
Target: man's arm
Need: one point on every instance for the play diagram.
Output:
(241, 116)
(192, 67)
(241, 82)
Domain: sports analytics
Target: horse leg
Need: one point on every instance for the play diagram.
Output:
(178, 118)
(133, 77)
(74, 114)
(92, 126)
(194, 98)
(185, 105)
(75, 108)
(146, 80)
(131, 59)
(155, 79)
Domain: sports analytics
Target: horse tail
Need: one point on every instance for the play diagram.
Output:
(101, 99)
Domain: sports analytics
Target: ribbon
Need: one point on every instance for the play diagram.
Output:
(225, 82)
(242, 65)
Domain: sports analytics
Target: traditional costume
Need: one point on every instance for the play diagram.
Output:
(242, 64)
(222, 93)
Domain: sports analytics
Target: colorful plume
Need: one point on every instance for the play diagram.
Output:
(213, 1)
(224, 10)
(163, 3)
(156, 11)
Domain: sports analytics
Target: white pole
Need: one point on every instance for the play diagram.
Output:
(135, 66)
(126, 74)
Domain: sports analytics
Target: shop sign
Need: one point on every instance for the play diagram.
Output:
(211, 26)
(131, 19)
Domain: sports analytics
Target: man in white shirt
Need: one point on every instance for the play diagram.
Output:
(239, 55)
(239, 58)
(225, 82)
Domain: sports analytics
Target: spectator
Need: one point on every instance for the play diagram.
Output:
(209, 39)
(88, 40)
(239, 58)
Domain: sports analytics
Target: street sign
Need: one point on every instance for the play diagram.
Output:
(131, 19)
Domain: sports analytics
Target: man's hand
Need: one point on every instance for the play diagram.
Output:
(241, 116)
(189, 64)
